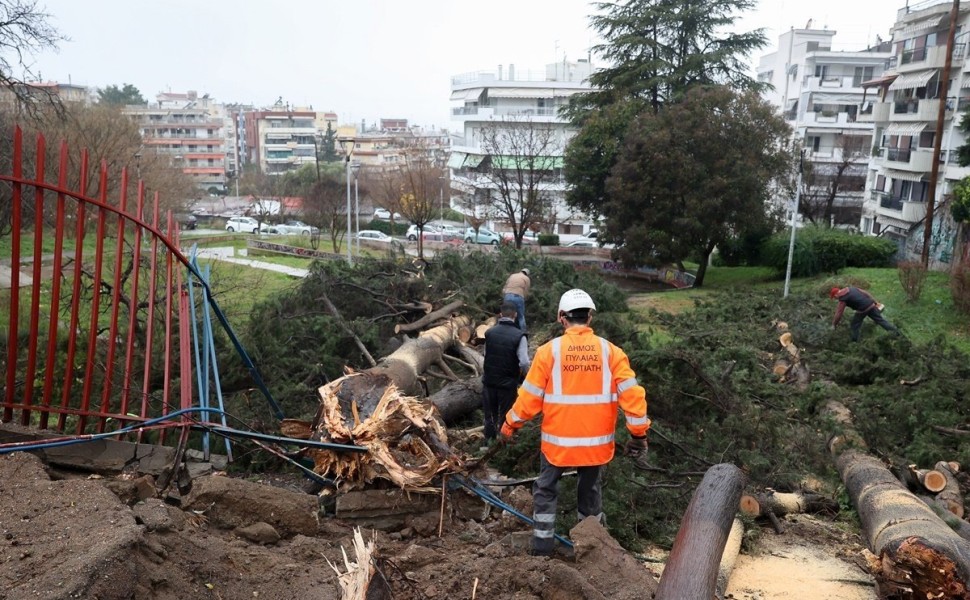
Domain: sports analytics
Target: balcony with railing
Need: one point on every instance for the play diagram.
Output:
(917, 160)
(931, 57)
(898, 208)
(914, 109)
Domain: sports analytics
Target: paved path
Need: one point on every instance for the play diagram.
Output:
(228, 254)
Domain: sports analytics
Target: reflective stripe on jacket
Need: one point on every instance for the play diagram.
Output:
(579, 382)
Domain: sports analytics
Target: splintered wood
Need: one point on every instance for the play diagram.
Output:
(396, 434)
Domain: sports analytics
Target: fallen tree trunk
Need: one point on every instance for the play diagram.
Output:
(458, 399)
(915, 553)
(692, 567)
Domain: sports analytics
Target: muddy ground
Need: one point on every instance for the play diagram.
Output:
(82, 536)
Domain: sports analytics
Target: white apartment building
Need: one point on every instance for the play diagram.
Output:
(820, 93)
(509, 98)
(905, 105)
(190, 129)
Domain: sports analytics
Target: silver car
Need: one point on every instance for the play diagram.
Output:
(293, 228)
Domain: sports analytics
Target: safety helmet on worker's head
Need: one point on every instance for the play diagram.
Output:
(833, 292)
(526, 271)
(575, 299)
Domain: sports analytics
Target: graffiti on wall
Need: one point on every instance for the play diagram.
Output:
(942, 239)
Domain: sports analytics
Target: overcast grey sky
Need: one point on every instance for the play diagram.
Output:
(364, 59)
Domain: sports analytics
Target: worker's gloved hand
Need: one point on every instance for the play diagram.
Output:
(506, 434)
(636, 447)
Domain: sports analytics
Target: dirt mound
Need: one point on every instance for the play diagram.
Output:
(232, 538)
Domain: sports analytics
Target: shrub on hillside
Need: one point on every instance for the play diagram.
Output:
(822, 250)
(912, 276)
(741, 250)
(548, 239)
(960, 288)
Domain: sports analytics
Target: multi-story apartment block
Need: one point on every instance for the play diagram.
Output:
(385, 148)
(509, 99)
(905, 103)
(189, 129)
(820, 93)
(43, 91)
(279, 139)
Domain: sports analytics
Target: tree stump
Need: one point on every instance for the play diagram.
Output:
(692, 568)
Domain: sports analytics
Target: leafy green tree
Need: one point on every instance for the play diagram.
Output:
(120, 96)
(960, 205)
(694, 175)
(658, 50)
(328, 146)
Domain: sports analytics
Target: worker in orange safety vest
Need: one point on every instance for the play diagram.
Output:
(578, 381)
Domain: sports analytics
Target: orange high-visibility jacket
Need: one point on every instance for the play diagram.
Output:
(578, 382)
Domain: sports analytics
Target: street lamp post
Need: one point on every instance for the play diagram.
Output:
(347, 144)
(355, 167)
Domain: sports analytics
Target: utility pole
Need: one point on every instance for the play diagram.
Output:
(938, 139)
(794, 219)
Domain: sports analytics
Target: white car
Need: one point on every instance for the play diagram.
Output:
(383, 213)
(374, 236)
(485, 236)
(431, 233)
(293, 228)
(242, 225)
(583, 244)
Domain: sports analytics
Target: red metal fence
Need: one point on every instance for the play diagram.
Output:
(97, 326)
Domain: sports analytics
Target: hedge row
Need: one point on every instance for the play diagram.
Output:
(823, 250)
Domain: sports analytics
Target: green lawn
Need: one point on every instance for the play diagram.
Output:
(932, 315)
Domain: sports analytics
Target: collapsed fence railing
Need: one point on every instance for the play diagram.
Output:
(104, 336)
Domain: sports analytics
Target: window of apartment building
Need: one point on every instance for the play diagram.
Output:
(880, 183)
(926, 139)
(811, 46)
(814, 142)
(821, 71)
(861, 74)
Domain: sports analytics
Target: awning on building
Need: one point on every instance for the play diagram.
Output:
(910, 30)
(879, 81)
(456, 160)
(905, 128)
(818, 98)
(904, 176)
(473, 160)
(469, 94)
(539, 163)
(524, 92)
(909, 81)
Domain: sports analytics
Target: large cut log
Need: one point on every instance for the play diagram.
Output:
(730, 556)
(950, 494)
(692, 568)
(784, 503)
(915, 552)
(457, 399)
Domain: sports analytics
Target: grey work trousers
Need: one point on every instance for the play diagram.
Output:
(855, 326)
(545, 492)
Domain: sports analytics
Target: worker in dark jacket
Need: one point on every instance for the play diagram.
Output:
(506, 363)
(864, 306)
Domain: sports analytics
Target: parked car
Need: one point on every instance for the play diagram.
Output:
(242, 225)
(374, 236)
(591, 234)
(186, 220)
(293, 228)
(529, 237)
(485, 236)
(430, 233)
(584, 243)
(383, 213)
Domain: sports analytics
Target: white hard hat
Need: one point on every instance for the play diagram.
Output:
(575, 299)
